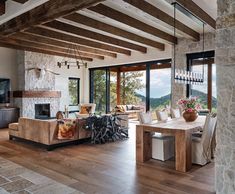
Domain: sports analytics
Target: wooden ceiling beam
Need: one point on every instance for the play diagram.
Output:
(94, 35)
(2, 7)
(53, 42)
(14, 40)
(21, 1)
(132, 22)
(161, 15)
(198, 12)
(73, 39)
(21, 47)
(81, 19)
(44, 13)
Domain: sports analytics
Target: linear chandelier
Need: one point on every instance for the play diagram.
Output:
(182, 76)
(68, 62)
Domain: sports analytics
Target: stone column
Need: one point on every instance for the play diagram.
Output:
(225, 61)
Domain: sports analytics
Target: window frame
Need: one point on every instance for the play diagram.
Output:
(190, 58)
(148, 65)
(78, 90)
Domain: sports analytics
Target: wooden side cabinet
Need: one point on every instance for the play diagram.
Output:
(7, 116)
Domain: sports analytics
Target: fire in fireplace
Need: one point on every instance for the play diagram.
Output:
(42, 111)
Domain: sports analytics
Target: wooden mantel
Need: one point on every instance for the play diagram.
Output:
(36, 94)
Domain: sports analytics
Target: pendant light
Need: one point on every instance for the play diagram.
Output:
(182, 76)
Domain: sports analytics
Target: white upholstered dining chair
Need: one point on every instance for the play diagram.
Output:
(175, 113)
(162, 115)
(201, 146)
(163, 146)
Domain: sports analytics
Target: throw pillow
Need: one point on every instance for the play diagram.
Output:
(85, 109)
(66, 129)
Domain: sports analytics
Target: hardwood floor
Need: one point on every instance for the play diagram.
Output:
(108, 168)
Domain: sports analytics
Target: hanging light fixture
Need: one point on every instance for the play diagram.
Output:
(181, 76)
(68, 62)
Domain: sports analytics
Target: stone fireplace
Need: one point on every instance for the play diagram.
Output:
(36, 84)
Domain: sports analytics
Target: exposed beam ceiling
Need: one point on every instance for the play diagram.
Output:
(161, 15)
(44, 13)
(19, 47)
(132, 22)
(53, 42)
(2, 7)
(81, 19)
(20, 1)
(93, 35)
(17, 41)
(197, 11)
(76, 40)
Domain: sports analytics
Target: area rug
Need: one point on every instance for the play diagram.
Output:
(20, 180)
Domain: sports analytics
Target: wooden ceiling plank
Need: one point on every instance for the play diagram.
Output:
(22, 47)
(130, 21)
(44, 13)
(161, 15)
(73, 39)
(21, 1)
(53, 42)
(81, 19)
(197, 11)
(16, 41)
(94, 35)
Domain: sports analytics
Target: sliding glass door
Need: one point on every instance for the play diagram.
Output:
(99, 90)
(145, 86)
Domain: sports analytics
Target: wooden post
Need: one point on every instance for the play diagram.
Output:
(118, 87)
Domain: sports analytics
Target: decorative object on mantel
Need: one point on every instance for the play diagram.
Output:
(190, 107)
(181, 76)
(106, 128)
(68, 62)
(41, 71)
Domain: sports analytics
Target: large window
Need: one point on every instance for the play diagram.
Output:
(74, 88)
(131, 85)
(160, 86)
(206, 92)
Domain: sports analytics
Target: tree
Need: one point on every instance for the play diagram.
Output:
(130, 83)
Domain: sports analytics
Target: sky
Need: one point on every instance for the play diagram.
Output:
(160, 82)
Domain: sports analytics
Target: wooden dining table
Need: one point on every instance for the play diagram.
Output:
(182, 131)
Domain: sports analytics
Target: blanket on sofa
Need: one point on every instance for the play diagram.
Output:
(66, 128)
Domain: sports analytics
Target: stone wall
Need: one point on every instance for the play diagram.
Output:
(225, 61)
(31, 80)
(184, 47)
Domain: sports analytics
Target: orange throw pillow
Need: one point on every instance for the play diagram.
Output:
(85, 110)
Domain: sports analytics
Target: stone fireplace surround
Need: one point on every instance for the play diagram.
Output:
(34, 88)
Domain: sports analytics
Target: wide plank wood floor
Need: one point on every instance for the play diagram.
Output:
(108, 168)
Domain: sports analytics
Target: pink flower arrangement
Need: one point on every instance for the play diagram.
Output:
(189, 104)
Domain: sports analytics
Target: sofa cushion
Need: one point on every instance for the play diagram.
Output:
(14, 126)
(129, 107)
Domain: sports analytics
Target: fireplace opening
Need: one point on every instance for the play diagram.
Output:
(42, 111)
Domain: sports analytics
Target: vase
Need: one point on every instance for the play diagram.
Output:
(190, 116)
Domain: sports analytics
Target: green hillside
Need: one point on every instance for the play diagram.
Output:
(165, 100)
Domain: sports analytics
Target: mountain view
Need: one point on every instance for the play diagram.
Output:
(165, 100)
